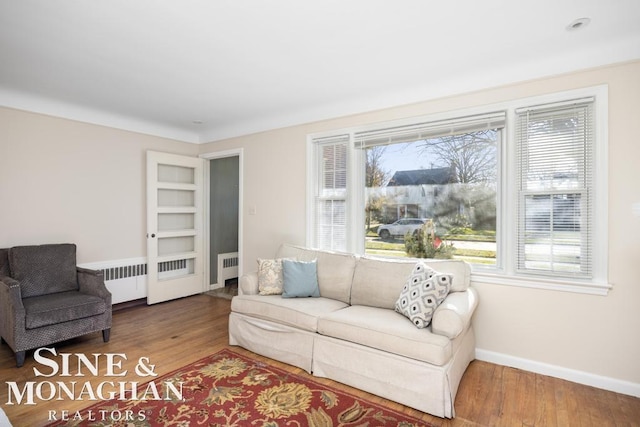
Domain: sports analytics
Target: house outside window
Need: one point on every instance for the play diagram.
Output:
(447, 174)
(512, 188)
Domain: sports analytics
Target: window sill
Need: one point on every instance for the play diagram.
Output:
(590, 288)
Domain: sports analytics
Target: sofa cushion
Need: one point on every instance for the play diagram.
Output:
(377, 282)
(301, 313)
(300, 279)
(422, 293)
(388, 331)
(270, 279)
(44, 269)
(53, 309)
(335, 269)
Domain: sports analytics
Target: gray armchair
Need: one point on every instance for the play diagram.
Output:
(45, 298)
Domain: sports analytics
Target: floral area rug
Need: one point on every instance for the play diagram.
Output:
(228, 389)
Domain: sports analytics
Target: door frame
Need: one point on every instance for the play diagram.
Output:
(235, 152)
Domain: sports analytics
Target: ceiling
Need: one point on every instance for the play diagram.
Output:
(204, 70)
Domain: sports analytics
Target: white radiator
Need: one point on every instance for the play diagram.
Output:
(126, 279)
(227, 267)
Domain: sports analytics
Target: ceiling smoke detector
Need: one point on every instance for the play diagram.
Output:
(578, 24)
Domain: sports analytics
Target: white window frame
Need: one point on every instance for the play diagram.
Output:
(505, 272)
(336, 193)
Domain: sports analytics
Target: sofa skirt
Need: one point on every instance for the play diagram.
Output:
(419, 385)
(280, 342)
(422, 386)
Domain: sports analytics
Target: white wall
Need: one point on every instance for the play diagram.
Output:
(66, 181)
(595, 335)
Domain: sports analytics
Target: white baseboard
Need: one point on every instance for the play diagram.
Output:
(580, 377)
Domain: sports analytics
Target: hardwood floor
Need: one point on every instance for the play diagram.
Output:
(175, 333)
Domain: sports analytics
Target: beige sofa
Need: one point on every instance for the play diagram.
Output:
(353, 335)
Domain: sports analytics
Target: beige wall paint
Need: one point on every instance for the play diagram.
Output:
(66, 181)
(592, 334)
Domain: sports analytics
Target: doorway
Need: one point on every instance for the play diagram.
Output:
(223, 221)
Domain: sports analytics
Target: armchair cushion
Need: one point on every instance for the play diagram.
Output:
(44, 269)
(61, 307)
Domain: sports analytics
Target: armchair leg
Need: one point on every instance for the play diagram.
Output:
(20, 355)
(106, 334)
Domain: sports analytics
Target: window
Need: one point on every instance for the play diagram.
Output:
(444, 172)
(510, 188)
(330, 193)
(555, 181)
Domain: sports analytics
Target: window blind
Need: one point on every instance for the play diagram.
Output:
(555, 145)
(432, 129)
(330, 200)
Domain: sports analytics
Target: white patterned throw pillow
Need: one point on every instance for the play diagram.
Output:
(423, 291)
(270, 278)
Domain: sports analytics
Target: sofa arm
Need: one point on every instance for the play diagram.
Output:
(248, 284)
(453, 316)
(92, 282)
(10, 292)
(12, 313)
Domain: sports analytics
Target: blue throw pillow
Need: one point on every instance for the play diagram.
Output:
(300, 279)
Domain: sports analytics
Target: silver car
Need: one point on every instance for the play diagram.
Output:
(400, 227)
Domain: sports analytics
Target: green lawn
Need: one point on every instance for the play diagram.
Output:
(396, 248)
